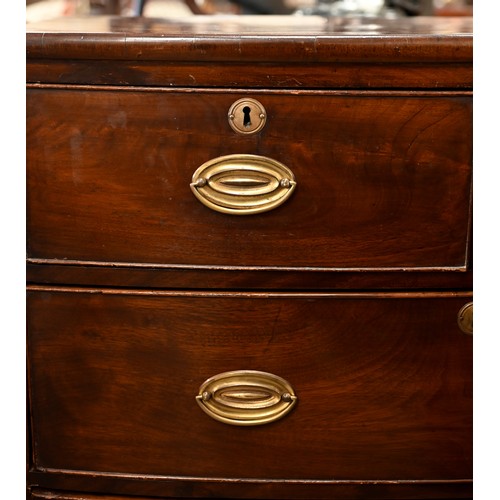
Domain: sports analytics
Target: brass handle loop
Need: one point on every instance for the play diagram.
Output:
(242, 184)
(246, 397)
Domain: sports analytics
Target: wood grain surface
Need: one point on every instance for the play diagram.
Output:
(137, 293)
(249, 51)
(382, 181)
(383, 380)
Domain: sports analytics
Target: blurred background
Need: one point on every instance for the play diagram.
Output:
(39, 10)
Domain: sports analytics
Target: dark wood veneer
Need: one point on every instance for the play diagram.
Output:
(382, 192)
(291, 53)
(137, 293)
(383, 392)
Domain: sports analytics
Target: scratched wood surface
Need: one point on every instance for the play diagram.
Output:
(253, 51)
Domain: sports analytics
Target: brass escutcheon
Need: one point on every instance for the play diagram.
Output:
(247, 116)
(242, 184)
(246, 397)
(465, 318)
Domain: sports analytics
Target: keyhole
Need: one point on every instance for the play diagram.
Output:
(246, 116)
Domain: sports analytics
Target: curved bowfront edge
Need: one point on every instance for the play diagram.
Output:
(248, 38)
(321, 489)
(382, 49)
(292, 52)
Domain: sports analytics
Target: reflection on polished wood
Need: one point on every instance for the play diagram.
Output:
(351, 301)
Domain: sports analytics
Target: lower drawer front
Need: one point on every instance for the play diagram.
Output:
(383, 384)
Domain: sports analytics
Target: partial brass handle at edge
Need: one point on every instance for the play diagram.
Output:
(242, 184)
(246, 397)
(465, 318)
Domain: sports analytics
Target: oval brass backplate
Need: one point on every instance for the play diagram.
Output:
(465, 318)
(246, 397)
(243, 184)
(247, 116)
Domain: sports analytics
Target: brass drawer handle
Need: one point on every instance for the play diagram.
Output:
(465, 318)
(243, 184)
(246, 397)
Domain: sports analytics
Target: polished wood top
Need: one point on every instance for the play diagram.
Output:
(250, 38)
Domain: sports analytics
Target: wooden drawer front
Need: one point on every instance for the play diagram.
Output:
(384, 384)
(382, 182)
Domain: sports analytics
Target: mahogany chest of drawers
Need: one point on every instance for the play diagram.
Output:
(249, 258)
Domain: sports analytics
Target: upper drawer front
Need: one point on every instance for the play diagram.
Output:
(383, 384)
(382, 182)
